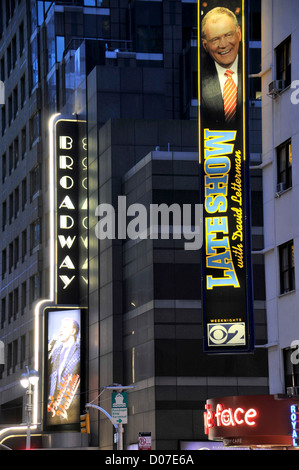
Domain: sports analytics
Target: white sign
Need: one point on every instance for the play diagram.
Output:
(145, 441)
(119, 408)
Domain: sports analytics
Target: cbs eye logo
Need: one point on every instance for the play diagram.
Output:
(226, 334)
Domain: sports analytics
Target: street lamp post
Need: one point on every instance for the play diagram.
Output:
(118, 426)
(28, 380)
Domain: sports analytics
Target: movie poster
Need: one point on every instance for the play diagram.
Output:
(226, 260)
(63, 366)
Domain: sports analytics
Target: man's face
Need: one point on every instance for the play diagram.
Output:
(66, 330)
(222, 40)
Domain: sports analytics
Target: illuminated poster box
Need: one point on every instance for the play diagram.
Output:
(63, 372)
(225, 195)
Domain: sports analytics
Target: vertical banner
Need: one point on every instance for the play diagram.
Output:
(226, 253)
(70, 160)
(63, 366)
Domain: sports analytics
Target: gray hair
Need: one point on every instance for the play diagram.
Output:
(214, 15)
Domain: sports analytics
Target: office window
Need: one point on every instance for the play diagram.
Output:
(16, 202)
(2, 69)
(3, 263)
(10, 257)
(34, 128)
(21, 38)
(23, 142)
(32, 16)
(3, 312)
(4, 167)
(4, 215)
(3, 119)
(10, 307)
(34, 62)
(283, 62)
(35, 234)
(15, 303)
(51, 43)
(16, 152)
(148, 25)
(34, 288)
(24, 193)
(14, 51)
(16, 251)
(9, 61)
(9, 358)
(93, 3)
(24, 244)
(23, 351)
(11, 208)
(34, 181)
(23, 297)
(9, 110)
(10, 159)
(60, 46)
(14, 355)
(287, 267)
(23, 91)
(284, 166)
(15, 102)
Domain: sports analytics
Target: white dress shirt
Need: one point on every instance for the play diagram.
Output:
(221, 71)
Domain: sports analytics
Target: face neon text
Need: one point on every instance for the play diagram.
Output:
(228, 417)
(217, 167)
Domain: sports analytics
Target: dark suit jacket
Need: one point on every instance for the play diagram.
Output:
(212, 106)
(71, 366)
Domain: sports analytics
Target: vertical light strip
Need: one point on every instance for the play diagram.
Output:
(35, 402)
(198, 80)
(37, 335)
(244, 59)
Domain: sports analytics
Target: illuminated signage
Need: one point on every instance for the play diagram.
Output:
(252, 420)
(63, 366)
(68, 272)
(228, 417)
(226, 263)
(295, 424)
(71, 219)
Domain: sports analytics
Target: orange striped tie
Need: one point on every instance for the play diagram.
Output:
(230, 97)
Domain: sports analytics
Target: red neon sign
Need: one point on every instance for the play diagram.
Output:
(228, 417)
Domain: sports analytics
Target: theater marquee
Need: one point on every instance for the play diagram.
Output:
(226, 262)
(64, 315)
(71, 209)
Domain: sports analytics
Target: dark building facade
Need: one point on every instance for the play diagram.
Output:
(129, 69)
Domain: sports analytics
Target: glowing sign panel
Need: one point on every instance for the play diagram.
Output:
(228, 417)
(70, 157)
(63, 366)
(225, 195)
(295, 424)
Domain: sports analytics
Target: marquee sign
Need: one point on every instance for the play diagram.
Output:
(226, 264)
(294, 409)
(252, 420)
(70, 160)
(63, 321)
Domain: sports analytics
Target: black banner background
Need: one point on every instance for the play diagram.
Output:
(225, 191)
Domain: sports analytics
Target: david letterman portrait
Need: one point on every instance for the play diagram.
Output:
(221, 83)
